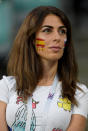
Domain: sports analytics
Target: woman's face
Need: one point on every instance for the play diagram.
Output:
(50, 38)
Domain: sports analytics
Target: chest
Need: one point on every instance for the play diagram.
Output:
(57, 117)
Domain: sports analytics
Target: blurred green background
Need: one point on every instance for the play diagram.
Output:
(13, 12)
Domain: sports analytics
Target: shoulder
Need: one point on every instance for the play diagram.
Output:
(82, 86)
(82, 99)
(82, 90)
(8, 81)
(7, 87)
(82, 93)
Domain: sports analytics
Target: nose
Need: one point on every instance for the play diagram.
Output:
(56, 36)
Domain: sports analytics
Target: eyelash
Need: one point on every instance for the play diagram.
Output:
(47, 30)
(60, 31)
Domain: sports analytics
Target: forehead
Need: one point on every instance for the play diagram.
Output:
(52, 20)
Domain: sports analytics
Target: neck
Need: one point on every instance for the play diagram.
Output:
(49, 72)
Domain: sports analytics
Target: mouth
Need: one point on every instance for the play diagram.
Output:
(55, 48)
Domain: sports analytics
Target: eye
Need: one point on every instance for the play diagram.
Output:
(47, 30)
(62, 31)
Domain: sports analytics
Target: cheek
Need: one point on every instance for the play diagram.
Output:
(40, 44)
(63, 43)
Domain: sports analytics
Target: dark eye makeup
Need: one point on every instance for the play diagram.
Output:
(62, 30)
(47, 30)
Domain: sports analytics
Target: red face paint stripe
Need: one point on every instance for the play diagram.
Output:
(40, 45)
(39, 39)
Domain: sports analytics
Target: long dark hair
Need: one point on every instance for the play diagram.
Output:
(25, 64)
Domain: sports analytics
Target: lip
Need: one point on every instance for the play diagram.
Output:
(55, 48)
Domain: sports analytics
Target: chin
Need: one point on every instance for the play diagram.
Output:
(54, 58)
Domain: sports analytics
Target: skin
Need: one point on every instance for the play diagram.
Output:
(53, 32)
(3, 124)
(77, 123)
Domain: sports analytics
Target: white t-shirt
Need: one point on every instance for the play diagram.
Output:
(20, 116)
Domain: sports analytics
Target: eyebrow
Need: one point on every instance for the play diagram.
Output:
(52, 26)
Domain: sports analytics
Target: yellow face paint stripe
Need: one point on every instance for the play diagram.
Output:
(40, 42)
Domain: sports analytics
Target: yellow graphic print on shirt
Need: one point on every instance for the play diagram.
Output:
(64, 103)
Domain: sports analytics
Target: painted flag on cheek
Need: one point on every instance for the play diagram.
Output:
(40, 44)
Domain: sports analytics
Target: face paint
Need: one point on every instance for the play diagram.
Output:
(40, 44)
(65, 41)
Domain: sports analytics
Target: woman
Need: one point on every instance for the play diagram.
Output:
(42, 92)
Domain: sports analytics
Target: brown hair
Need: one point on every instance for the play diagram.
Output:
(25, 64)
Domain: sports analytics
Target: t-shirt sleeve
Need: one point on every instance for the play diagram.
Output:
(82, 99)
(6, 87)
